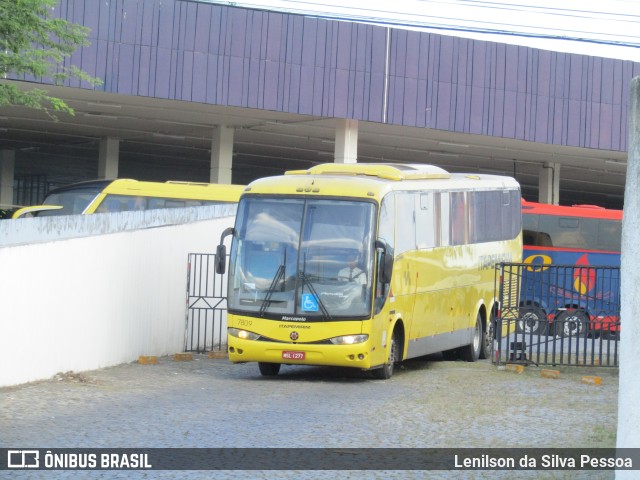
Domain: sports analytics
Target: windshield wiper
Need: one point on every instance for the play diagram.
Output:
(267, 298)
(307, 282)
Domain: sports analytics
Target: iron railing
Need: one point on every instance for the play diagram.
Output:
(557, 315)
(206, 323)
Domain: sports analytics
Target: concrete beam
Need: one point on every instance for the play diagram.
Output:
(108, 158)
(346, 146)
(549, 183)
(7, 175)
(221, 155)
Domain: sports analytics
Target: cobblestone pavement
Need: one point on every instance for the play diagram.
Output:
(428, 403)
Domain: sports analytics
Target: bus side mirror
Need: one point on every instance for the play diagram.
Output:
(221, 259)
(221, 252)
(385, 262)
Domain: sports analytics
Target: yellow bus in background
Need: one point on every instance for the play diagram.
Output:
(100, 196)
(366, 265)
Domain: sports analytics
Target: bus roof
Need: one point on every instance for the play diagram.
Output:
(583, 211)
(175, 189)
(170, 189)
(387, 171)
(372, 180)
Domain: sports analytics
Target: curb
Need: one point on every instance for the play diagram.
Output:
(550, 373)
(218, 355)
(182, 357)
(514, 368)
(148, 360)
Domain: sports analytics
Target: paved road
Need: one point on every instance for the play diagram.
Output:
(206, 402)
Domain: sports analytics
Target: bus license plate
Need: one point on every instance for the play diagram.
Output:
(287, 355)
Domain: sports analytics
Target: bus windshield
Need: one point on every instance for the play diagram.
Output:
(74, 200)
(302, 259)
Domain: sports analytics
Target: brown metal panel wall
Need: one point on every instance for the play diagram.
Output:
(223, 55)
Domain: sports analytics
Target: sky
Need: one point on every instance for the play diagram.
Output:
(604, 28)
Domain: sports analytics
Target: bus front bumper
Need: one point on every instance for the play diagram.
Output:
(356, 356)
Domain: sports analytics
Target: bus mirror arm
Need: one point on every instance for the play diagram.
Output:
(385, 266)
(221, 251)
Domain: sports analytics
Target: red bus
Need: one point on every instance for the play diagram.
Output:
(571, 237)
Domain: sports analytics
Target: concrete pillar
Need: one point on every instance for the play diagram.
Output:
(629, 381)
(7, 173)
(346, 146)
(108, 156)
(221, 155)
(549, 183)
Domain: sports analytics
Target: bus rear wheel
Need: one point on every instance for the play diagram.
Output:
(269, 369)
(487, 339)
(533, 321)
(572, 323)
(471, 352)
(386, 371)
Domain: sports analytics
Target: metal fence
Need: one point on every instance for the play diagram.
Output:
(206, 328)
(557, 315)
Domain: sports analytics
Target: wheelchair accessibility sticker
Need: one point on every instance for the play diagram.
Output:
(309, 302)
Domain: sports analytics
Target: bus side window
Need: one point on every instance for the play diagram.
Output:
(425, 221)
(112, 203)
(609, 235)
(138, 204)
(569, 233)
(170, 203)
(442, 200)
(539, 239)
(406, 226)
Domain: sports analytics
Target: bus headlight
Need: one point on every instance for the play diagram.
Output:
(243, 334)
(349, 339)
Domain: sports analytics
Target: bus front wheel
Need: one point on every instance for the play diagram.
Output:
(533, 321)
(386, 371)
(269, 369)
(471, 352)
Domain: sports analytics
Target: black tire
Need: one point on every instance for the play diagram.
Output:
(269, 369)
(572, 323)
(471, 352)
(614, 336)
(532, 321)
(488, 334)
(386, 371)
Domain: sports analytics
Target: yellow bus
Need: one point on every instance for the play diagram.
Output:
(99, 196)
(366, 265)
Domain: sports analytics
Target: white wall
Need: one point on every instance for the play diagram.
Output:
(23, 231)
(95, 301)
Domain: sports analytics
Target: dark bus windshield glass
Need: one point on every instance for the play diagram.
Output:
(304, 258)
(74, 201)
(572, 232)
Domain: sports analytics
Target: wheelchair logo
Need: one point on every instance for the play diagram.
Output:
(309, 302)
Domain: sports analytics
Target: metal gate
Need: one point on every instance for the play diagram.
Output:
(557, 315)
(206, 328)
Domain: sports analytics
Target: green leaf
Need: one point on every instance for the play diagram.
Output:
(33, 43)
